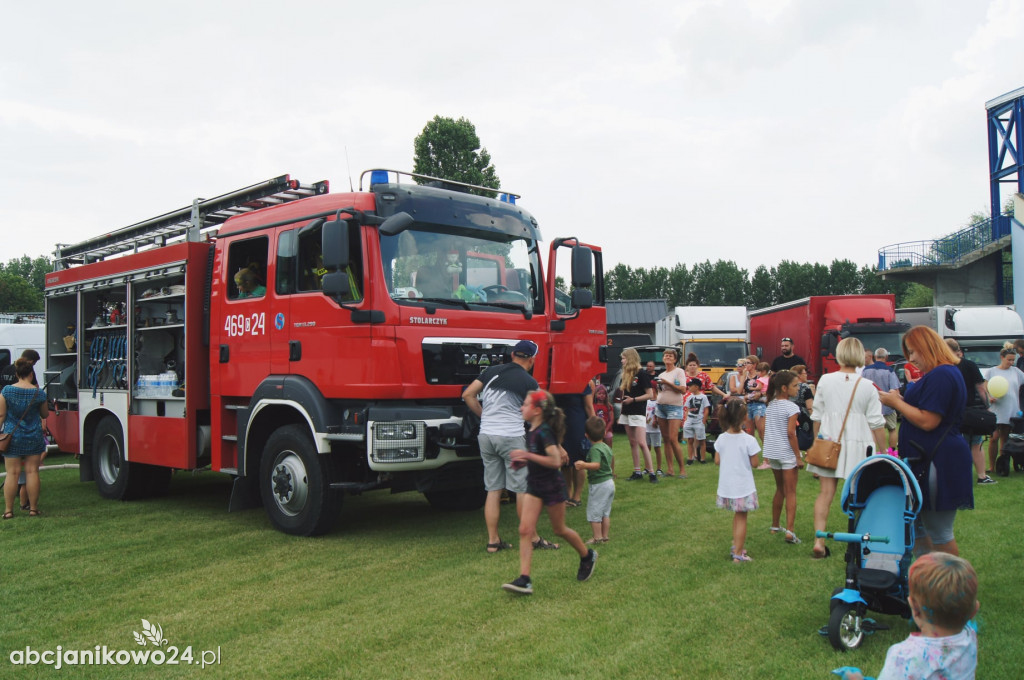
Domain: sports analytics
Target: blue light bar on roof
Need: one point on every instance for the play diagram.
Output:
(507, 198)
(378, 177)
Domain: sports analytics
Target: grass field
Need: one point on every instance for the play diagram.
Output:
(399, 590)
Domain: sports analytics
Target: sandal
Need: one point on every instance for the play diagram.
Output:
(498, 547)
(8, 515)
(820, 555)
(35, 513)
(742, 557)
(775, 530)
(791, 538)
(594, 541)
(544, 544)
(572, 503)
(26, 507)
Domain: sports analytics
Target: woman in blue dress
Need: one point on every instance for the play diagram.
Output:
(930, 439)
(22, 410)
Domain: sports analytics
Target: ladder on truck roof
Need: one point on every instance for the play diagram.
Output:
(188, 223)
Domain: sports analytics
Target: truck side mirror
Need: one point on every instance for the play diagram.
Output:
(582, 269)
(396, 224)
(334, 246)
(829, 342)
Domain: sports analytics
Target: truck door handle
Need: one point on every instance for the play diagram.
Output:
(225, 354)
(294, 350)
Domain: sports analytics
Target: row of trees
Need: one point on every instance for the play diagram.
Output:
(724, 283)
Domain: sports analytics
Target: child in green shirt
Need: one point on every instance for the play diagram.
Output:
(599, 476)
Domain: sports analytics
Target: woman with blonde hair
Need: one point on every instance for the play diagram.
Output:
(633, 392)
(863, 433)
(930, 440)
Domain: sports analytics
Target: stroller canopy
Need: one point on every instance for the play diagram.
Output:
(878, 471)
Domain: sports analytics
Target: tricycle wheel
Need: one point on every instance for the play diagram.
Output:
(844, 627)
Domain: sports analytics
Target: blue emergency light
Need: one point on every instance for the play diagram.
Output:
(507, 198)
(378, 177)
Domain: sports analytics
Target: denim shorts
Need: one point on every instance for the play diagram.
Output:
(756, 409)
(668, 411)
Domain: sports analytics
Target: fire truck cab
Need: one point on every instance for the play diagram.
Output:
(308, 344)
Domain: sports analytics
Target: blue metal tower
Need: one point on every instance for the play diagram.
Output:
(1005, 143)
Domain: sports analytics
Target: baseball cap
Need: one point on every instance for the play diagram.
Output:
(527, 348)
(693, 381)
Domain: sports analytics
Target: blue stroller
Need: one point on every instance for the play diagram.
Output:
(882, 498)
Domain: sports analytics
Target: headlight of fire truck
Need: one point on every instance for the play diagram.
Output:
(398, 442)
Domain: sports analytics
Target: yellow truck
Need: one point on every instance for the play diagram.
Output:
(717, 335)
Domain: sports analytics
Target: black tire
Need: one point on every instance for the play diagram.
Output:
(115, 477)
(844, 627)
(295, 483)
(457, 499)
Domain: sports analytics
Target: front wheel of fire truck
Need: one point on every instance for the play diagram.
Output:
(295, 483)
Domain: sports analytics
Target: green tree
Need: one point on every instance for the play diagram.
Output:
(763, 288)
(843, 278)
(450, 149)
(795, 280)
(721, 283)
(680, 281)
(33, 270)
(916, 295)
(17, 294)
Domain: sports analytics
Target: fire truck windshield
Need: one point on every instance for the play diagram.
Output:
(437, 264)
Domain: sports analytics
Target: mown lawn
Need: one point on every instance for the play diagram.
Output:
(402, 591)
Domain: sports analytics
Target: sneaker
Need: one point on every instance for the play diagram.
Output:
(587, 566)
(660, 473)
(523, 585)
(635, 476)
(654, 479)
(987, 480)
(702, 461)
(689, 461)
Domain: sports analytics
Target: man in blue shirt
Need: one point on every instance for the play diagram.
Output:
(885, 379)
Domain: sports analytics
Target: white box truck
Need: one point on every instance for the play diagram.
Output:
(717, 335)
(980, 331)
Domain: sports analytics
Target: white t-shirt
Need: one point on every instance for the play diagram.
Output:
(735, 476)
(694, 407)
(925, 658)
(776, 429)
(652, 425)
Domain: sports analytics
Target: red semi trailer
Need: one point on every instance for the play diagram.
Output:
(817, 324)
(308, 344)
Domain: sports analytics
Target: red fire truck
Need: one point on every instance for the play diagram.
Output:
(309, 344)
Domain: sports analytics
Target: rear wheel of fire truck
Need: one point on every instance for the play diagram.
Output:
(844, 627)
(457, 499)
(115, 477)
(295, 483)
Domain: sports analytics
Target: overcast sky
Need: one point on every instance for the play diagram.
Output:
(666, 132)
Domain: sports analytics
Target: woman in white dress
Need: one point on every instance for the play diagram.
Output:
(865, 427)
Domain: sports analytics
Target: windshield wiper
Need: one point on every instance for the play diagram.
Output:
(527, 314)
(443, 301)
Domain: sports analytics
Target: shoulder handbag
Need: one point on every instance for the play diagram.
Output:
(5, 438)
(824, 453)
